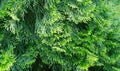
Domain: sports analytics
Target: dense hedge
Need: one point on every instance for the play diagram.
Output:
(59, 35)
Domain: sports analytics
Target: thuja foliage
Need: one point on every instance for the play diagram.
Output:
(59, 35)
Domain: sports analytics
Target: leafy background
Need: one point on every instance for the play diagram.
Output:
(59, 35)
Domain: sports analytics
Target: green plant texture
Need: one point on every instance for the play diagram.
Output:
(59, 35)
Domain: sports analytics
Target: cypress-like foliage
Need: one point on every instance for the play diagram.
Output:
(59, 35)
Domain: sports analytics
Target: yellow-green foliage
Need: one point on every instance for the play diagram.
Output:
(60, 35)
